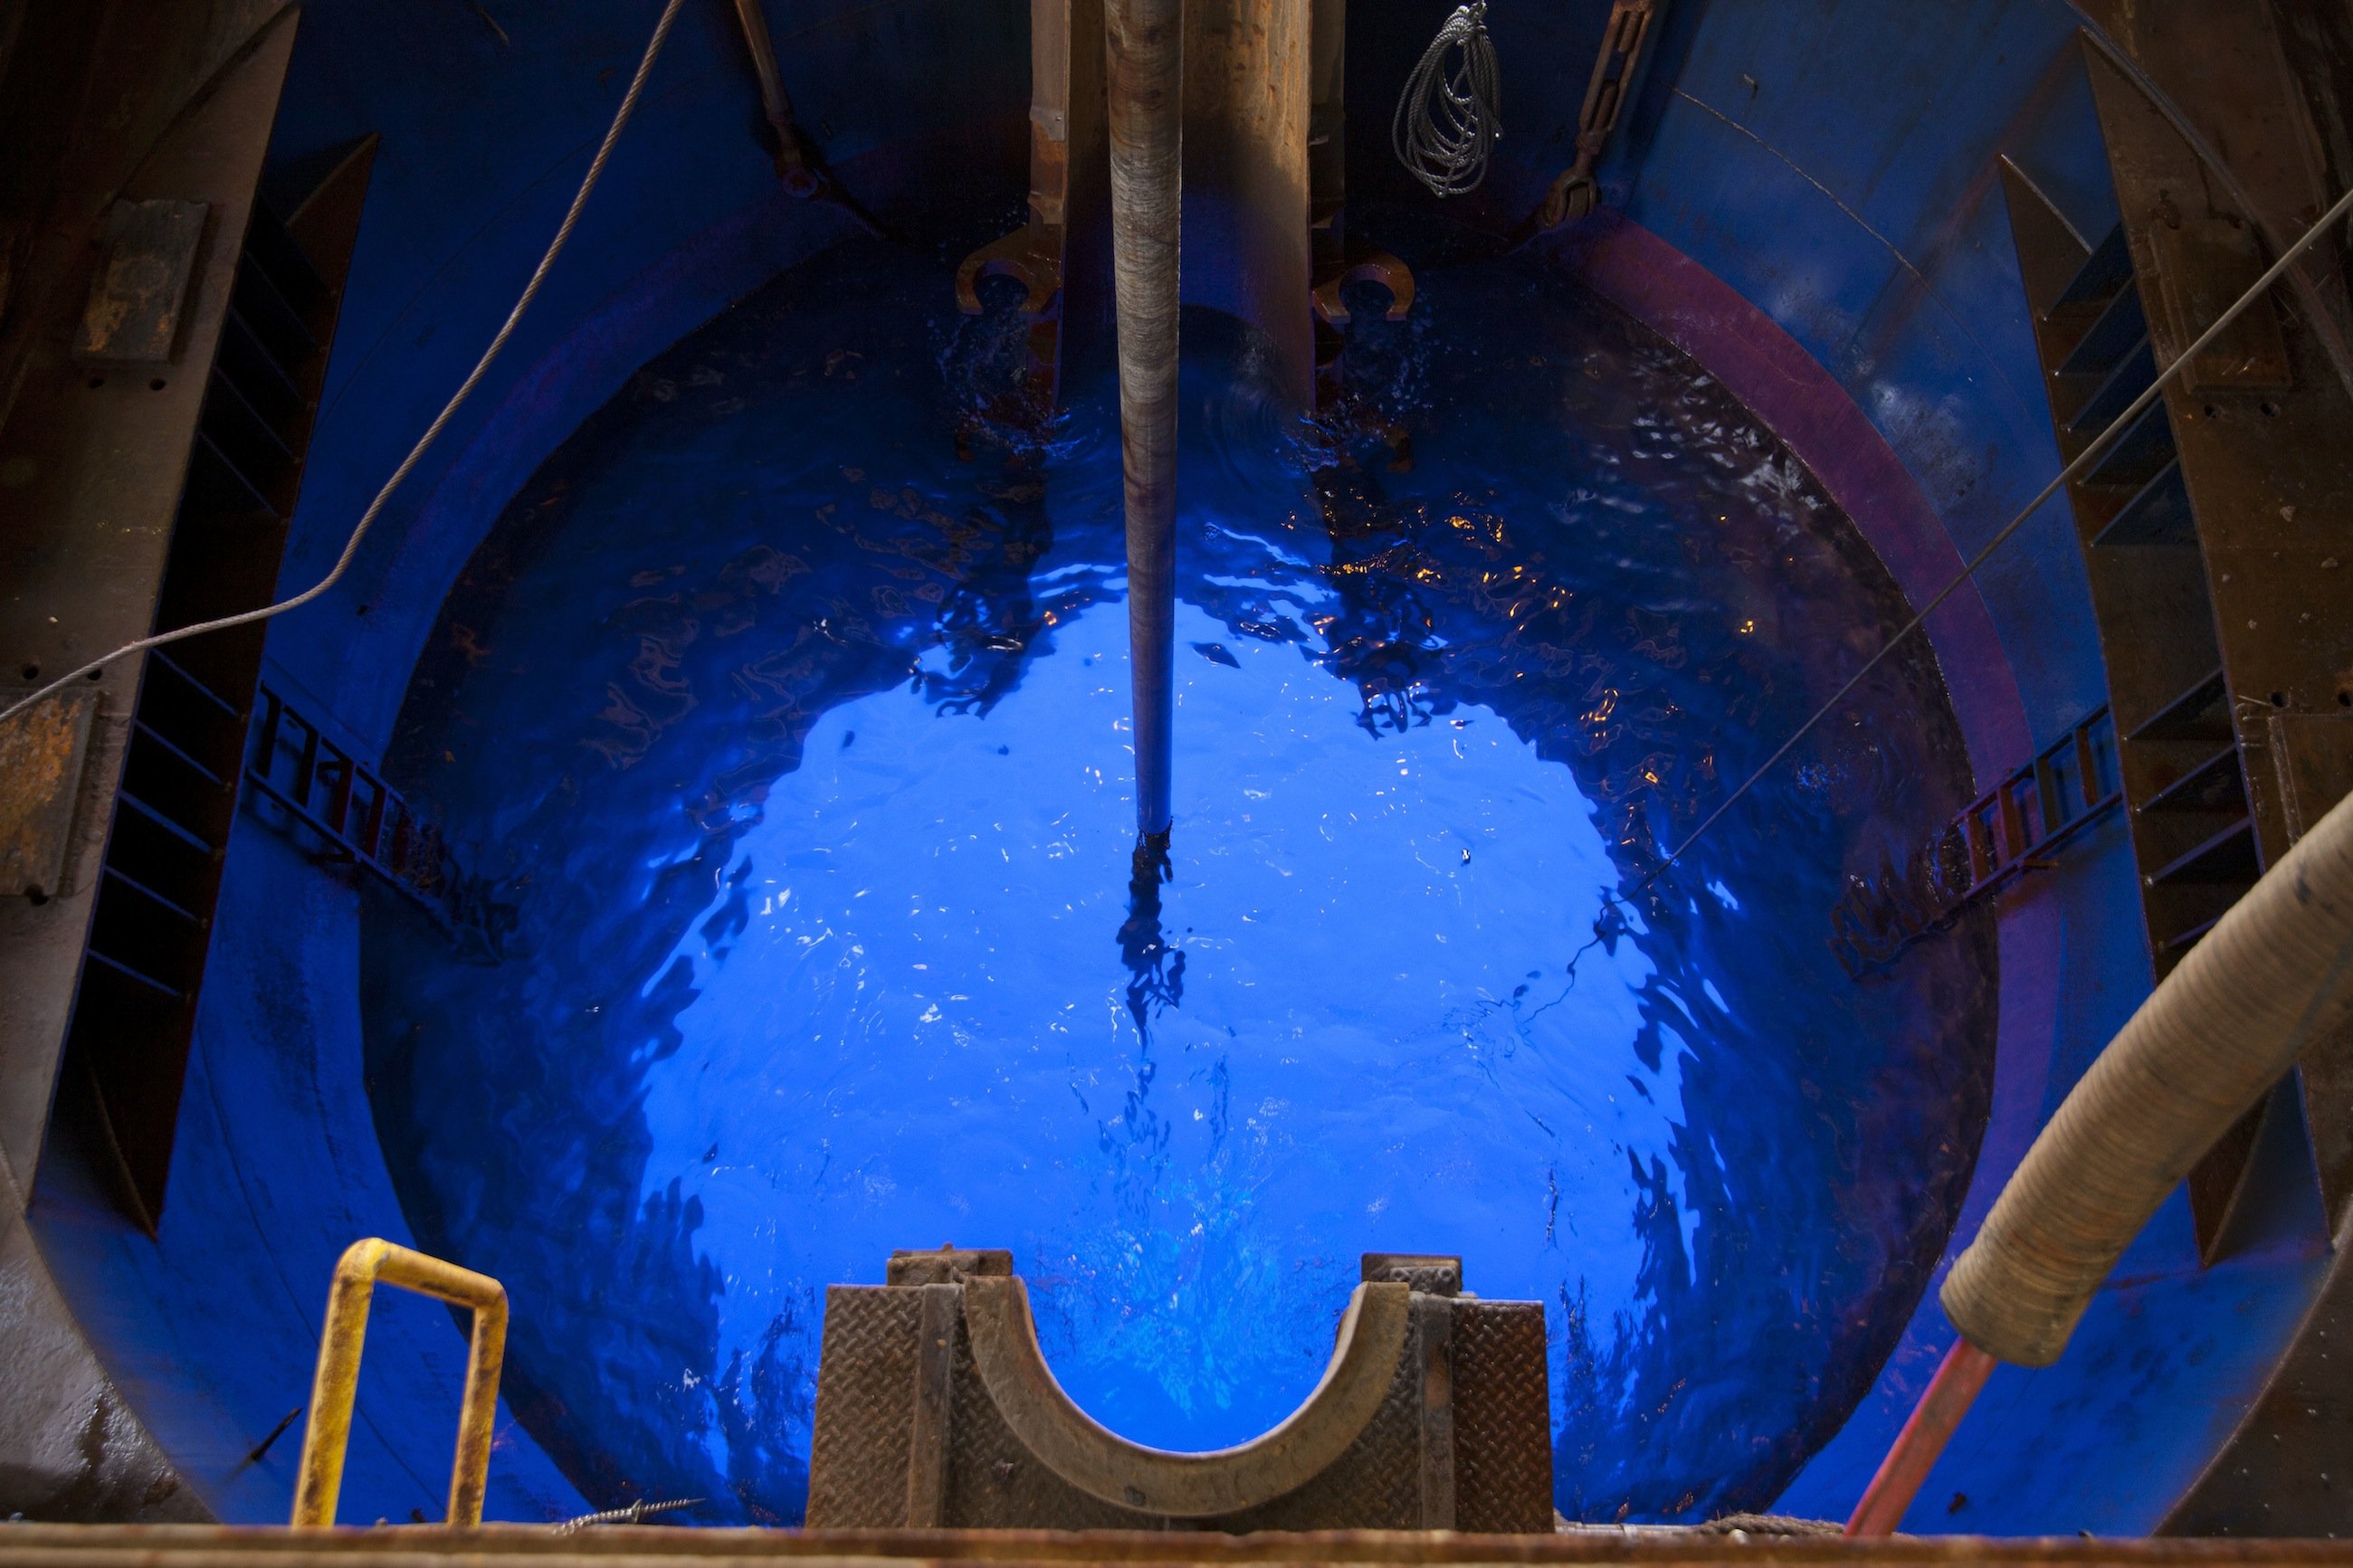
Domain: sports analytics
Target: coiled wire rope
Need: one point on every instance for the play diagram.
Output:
(1446, 124)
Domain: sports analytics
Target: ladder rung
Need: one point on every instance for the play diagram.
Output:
(124, 798)
(2228, 855)
(2159, 514)
(2139, 454)
(2107, 340)
(2108, 268)
(2177, 720)
(2196, 790)
(169, 906)
(2130, 376)
(136, 976)
(142, 727)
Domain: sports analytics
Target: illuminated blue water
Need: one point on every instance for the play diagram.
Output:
(799, 740)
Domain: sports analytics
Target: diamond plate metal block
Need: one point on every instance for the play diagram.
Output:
(1460, 1436)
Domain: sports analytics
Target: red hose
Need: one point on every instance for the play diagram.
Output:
(1959, 1376)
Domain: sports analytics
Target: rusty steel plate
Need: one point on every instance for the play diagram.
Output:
(140, 291)
(41, 752)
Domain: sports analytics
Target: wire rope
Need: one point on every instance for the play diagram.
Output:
(2082, 462)
(1446, 124)
(440, 421)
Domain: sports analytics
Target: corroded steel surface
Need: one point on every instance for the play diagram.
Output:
(2262, 433)
(1500, 1387)
(1575, 192)
(140, 102)
(201, 1546)
(40, 770)
(132, 316)
(1068, 195)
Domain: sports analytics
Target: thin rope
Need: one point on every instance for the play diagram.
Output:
(2083, 461)
(1446, 124)
(440, 420)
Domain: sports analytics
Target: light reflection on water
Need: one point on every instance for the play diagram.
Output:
(804, 744)
(1365, 952)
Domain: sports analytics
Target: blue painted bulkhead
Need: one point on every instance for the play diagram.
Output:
(1830, 164)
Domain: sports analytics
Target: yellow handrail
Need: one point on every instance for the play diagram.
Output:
(328, 1431)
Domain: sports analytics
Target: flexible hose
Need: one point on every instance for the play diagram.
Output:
(1446, 124)
(432, 431)
(2275, 972)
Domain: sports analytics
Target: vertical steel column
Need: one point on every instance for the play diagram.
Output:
(1249, 77)
(1143, 62)
(1327, 135)
(792, 160)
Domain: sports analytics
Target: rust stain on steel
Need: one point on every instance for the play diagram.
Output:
(140, 293)
(328, 1434)
(40, 766)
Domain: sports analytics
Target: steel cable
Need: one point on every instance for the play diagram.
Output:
(440, 421)
(1446, 124)
(2082, 462)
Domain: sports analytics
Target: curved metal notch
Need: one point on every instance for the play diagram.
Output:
(935, 1408)
(1104, 1465)
(1380, 267)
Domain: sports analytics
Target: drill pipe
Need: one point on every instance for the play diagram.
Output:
(1143, 66)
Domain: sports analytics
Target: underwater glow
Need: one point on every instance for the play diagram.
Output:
(795, 738)
(1355, 955)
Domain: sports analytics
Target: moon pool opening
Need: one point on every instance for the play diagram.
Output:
(783, 715)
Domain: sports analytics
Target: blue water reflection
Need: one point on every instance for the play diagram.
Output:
(800, 740)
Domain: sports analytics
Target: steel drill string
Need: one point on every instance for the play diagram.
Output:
(2074, 470)
(432, 431)
(1445, 124)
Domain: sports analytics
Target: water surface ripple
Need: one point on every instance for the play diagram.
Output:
(789, 702)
